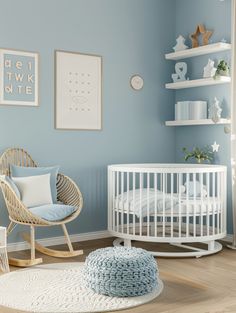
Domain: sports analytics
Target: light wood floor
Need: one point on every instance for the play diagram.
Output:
(204, 285)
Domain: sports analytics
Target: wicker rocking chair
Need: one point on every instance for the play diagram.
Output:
(67, 193)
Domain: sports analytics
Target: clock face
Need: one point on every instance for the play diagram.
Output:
(136, 82)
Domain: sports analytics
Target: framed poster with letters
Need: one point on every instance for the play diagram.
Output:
(18, 77)
(78, 91)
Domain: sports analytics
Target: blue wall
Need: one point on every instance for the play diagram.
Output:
(132, 37)
(216, 16)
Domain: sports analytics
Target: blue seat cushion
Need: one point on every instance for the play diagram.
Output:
(53, 212)
(21, 171)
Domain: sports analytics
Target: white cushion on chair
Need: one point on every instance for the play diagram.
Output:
(34, 190)
(21, 171)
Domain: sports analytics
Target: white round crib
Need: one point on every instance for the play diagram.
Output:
(177, 204)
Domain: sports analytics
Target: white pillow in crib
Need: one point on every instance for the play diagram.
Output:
(199, 187)
(34, 190)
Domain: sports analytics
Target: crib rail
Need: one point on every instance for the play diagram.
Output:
(167, 202)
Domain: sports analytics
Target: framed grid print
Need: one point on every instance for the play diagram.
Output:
(78, 91)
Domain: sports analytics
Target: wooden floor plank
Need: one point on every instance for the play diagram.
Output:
(203, 285)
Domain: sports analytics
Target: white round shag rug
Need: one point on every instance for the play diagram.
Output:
(60, 288)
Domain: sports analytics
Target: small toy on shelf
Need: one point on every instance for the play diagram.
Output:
(200, 30)
(180, 44)
(209, 69)
(215, 111)
(180, 72)
(223, 40)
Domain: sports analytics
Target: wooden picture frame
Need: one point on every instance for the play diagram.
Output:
(19, 77)
(78, 91)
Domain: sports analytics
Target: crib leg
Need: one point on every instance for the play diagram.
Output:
(127, 243)
(211, 245)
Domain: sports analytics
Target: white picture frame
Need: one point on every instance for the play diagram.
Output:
(78, 91)
(19, 71)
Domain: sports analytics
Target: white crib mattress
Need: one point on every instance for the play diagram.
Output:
(144, 203)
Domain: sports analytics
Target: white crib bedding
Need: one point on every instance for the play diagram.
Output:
(130, 202)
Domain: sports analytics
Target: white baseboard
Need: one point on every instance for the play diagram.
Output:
(54, 241)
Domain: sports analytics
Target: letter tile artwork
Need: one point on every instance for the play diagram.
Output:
(18, 78)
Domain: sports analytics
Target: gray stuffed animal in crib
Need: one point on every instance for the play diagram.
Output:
(198, 187)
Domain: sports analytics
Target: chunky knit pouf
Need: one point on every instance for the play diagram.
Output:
(121, 272)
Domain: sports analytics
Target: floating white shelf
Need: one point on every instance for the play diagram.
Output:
(193, 52)
(197, 122)
(199, 82)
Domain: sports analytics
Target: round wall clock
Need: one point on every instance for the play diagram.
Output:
(136, 82)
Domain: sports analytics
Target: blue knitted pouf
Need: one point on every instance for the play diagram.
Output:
(121, 272)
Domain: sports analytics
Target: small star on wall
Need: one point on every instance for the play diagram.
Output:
(215, 147)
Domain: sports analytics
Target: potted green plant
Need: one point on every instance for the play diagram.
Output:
(222, 69)
(200, 155)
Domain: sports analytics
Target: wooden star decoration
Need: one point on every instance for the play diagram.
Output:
(206, 34)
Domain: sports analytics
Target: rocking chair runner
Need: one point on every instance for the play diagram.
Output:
(67, 193)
